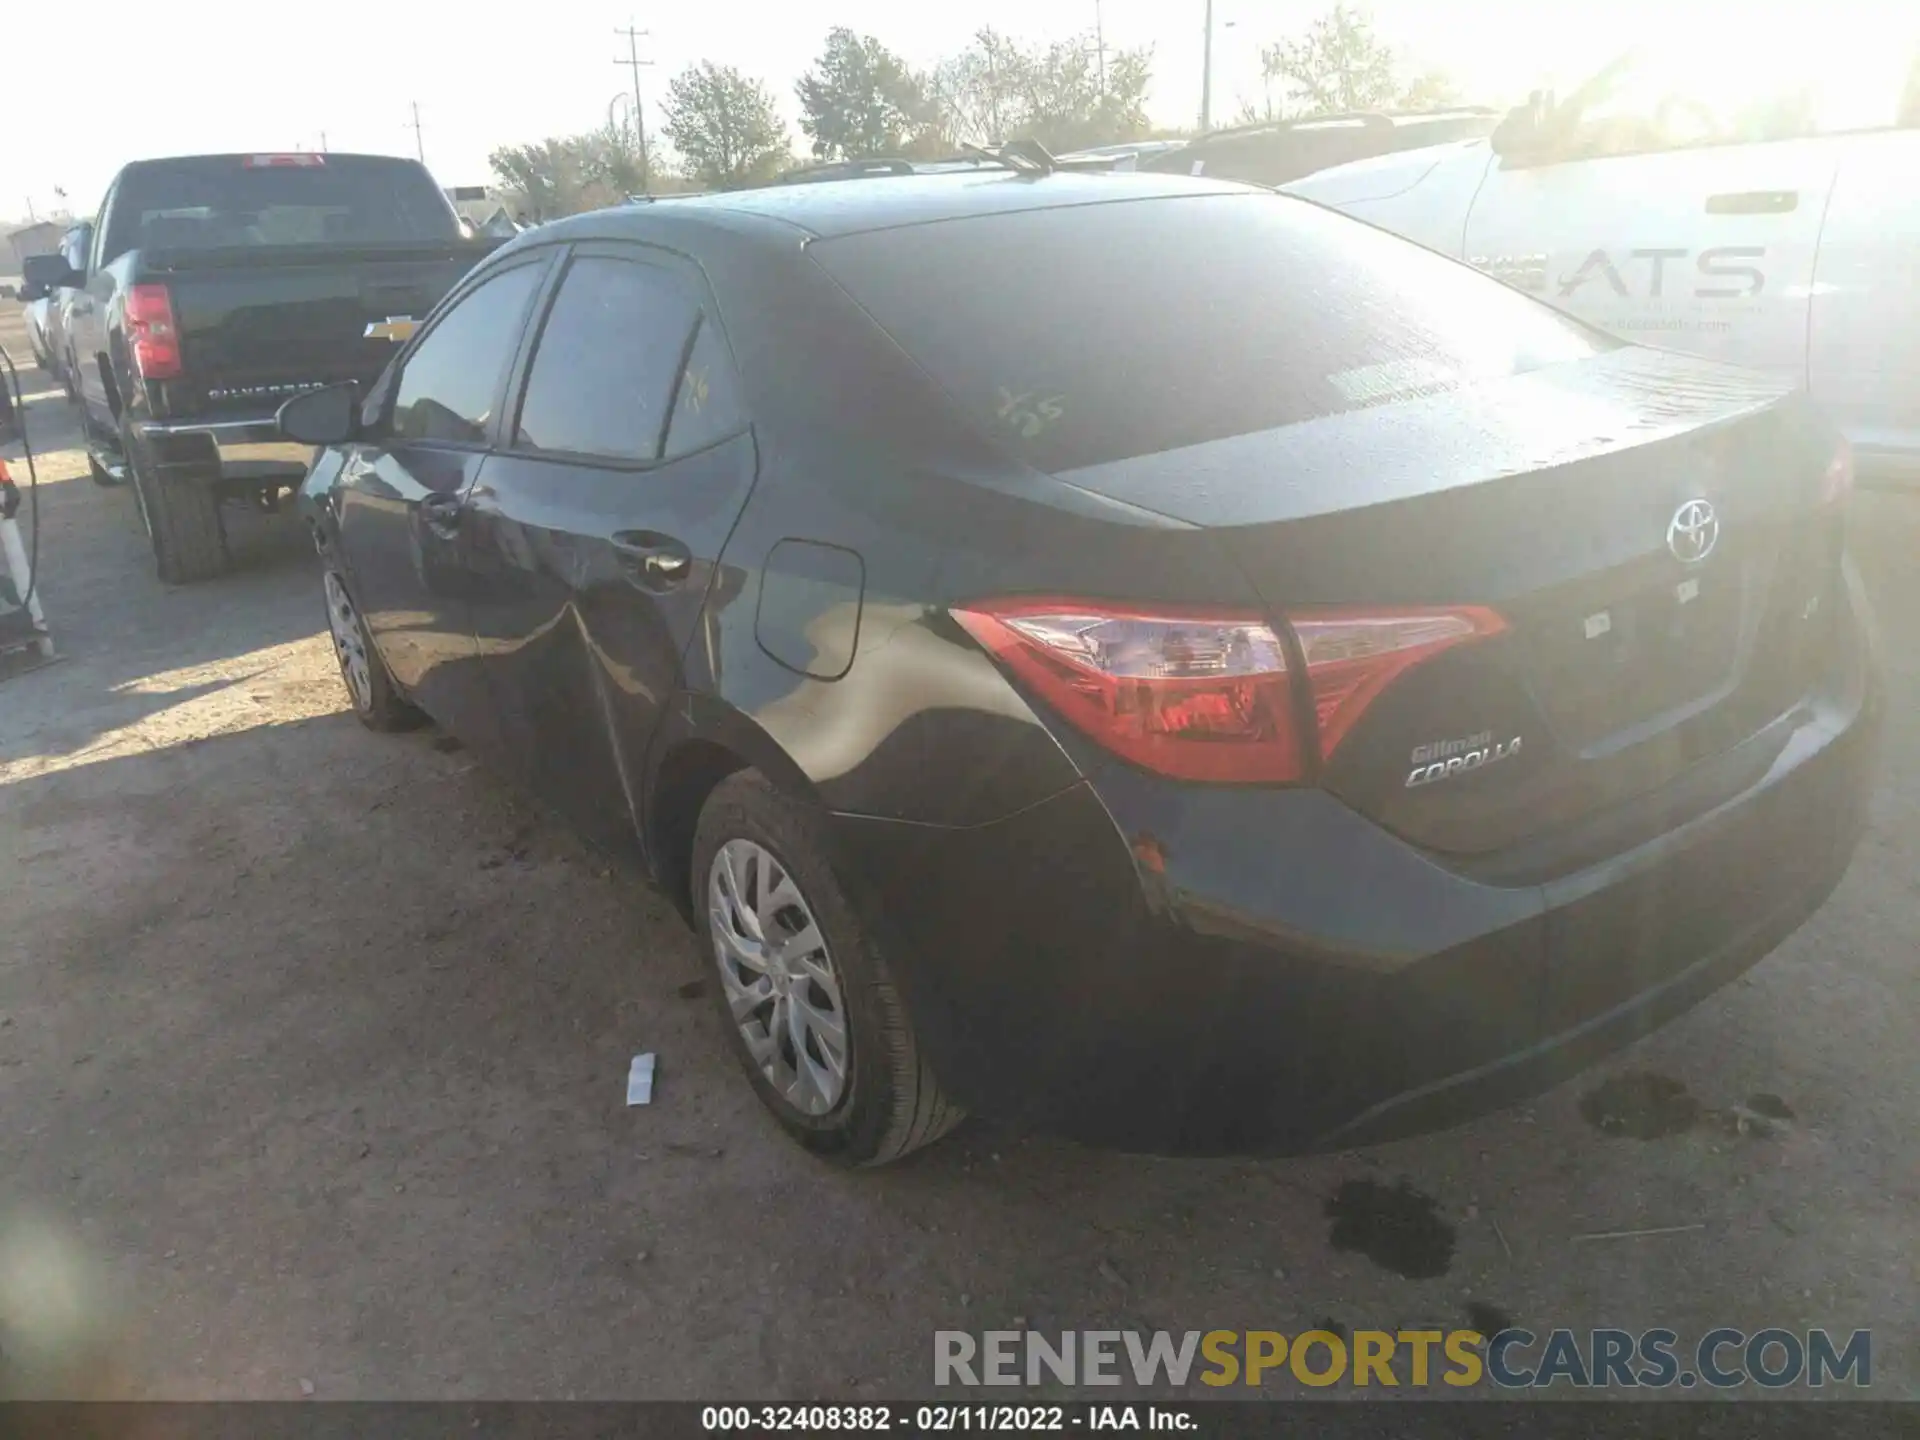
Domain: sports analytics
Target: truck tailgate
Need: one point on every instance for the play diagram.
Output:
(260, 323)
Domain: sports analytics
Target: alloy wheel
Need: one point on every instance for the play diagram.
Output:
(349, 642)
(781, 986)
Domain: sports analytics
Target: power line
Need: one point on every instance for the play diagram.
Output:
(633, 62)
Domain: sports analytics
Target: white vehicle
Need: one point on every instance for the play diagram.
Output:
(1775, 225)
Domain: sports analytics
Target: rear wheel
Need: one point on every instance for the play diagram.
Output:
(375, 700)
(807, 1001)
(181, 518)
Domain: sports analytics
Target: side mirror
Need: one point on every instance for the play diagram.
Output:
(49, 272)
(327, 416)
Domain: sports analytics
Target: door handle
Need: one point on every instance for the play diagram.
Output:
(651, 560)
(441, 512)
(1754, 202)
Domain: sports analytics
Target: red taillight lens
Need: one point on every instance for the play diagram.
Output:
(1836, 484)
(1206, 694)
(1354, 656)
(1195, 694)
(150, 328)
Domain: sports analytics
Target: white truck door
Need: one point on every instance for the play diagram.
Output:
(1863, 350)
(1642, 210)
(1707, 249)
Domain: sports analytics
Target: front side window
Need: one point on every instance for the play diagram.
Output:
(604, 369)
(449, 383)
(1727, 87)
(75, 245)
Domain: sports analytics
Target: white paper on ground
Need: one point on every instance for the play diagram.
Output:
(640, 1080)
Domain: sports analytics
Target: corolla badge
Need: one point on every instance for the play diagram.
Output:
(1444, 759)
(1693, 532)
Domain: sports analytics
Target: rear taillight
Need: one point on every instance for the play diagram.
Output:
(1203, 694)
(151, 332)
(1836, 482)
(1195, 694)
(1353, 656)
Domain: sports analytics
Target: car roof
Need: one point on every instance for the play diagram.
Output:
(830, 208)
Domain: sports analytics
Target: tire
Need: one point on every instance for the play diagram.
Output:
(376, 700)
(182, 521)
(753, 843)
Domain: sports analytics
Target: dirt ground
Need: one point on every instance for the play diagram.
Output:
(313, 1047)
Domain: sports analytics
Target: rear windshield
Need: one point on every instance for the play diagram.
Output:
(1096, 333)
(238, 200)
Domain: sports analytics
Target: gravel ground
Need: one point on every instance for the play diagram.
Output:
(313, 1042)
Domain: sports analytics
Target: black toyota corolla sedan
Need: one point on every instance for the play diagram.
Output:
(1147, 658)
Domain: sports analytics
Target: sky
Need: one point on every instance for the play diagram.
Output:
(214, 75)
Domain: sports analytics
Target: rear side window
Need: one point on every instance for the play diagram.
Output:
(221, 201)
(1096, 333)
(604, 371)
(448, 385)
(706, 404)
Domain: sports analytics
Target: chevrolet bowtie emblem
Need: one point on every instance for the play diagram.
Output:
(395, 328)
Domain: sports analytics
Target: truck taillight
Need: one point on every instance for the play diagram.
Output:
(1204, 694)
(151, 332)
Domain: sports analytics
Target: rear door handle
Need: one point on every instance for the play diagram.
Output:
(651, 560)
(1754, 202)
(441, 512)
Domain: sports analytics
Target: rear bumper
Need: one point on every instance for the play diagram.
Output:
(246, 447)
(1208, 971)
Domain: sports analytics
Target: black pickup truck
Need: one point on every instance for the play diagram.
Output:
(219, 285)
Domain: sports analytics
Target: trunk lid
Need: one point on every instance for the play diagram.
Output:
(1647, 525)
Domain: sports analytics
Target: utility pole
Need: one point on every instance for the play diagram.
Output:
(419, 142)
(634, 62)
(32, 219)
(323, 142)
(1100, 46)
(1206, 75)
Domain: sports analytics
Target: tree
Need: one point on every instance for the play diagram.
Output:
(569, 173)
(1341, 65)
(999, 90)
(725, 126)
(859, 99)
(1430, 90)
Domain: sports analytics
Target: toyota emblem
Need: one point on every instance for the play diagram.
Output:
(1693, 532)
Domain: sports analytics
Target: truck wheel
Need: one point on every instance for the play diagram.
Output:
(182, 521)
